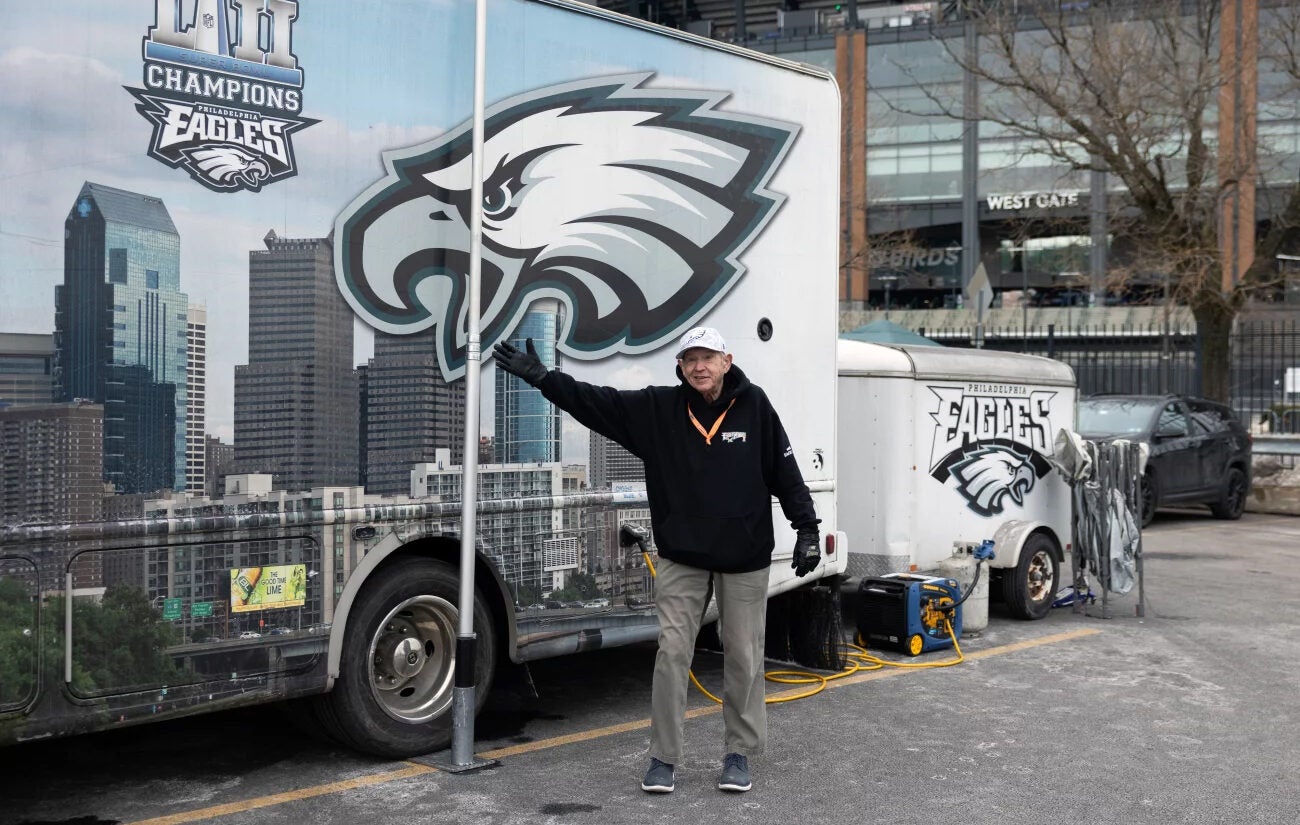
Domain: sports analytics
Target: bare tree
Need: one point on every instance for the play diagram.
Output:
(1133, 88)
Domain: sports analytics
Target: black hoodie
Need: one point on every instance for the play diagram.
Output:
(710, 503)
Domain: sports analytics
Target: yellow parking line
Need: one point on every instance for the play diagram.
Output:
(287, 796)
(559, 741)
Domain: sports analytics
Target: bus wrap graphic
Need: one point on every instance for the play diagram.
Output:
(630, 204)
(266, 588)
(223, 106)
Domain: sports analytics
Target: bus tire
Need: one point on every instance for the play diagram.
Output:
(815, 637)
(1030, 588)
(393, 694)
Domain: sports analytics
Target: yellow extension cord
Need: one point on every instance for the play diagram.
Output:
(859, 660)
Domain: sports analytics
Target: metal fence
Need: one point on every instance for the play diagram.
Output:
(1266, 375)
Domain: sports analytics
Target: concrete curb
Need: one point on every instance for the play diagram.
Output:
(1274, 498)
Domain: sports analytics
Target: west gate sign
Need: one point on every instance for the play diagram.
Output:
(1024, 200)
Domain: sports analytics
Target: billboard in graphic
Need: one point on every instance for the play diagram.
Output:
(264, 588)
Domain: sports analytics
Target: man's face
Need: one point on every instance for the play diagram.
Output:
(704, 369)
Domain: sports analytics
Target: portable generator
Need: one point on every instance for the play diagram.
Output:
(903, 611)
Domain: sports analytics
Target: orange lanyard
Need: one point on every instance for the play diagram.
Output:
(708, 436)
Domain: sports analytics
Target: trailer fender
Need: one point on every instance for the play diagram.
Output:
(1010, 538)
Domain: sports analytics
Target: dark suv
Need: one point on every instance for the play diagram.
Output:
(1200, 452)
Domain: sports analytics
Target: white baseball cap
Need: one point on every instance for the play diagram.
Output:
(706, 337)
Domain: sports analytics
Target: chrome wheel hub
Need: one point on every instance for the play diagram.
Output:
(412, 659)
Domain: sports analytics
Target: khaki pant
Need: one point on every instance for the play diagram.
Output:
(680, 593)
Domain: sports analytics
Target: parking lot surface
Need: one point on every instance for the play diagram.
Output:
(1184, 715)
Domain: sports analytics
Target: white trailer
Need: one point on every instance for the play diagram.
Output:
(942, 448)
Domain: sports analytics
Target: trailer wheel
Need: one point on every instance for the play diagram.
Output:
(1030, 588)
(393, 694)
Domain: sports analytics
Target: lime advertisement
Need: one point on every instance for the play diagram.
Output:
(265, 588)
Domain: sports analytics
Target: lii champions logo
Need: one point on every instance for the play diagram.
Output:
(224, 91)
(993, 440)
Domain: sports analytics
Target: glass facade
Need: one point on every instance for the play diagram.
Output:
(1278, 128)
(527, 425)
(914, 135)
(913, 149)
(122, 335)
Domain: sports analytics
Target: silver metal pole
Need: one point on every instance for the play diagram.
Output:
(970, 221)
(462, 702)
(1024, 302)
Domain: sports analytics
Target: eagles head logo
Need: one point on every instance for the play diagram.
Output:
(631, 206)
(228, 167)
(988, 475)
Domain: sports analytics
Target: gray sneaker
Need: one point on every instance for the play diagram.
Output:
(735, 774)
(659, 779)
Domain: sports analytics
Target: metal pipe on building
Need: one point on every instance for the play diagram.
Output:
(1099, 232)
(970, 220)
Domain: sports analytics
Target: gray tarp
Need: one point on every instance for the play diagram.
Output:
(1105, 483)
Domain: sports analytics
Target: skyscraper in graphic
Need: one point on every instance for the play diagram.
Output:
(120, 329)
(196, 400)
(219, 461)
(52, 464)
(610, 462)
(52, 472)
(573, 481)
(411, 412)
(611, 467)
(527, 425)
(362, 372)
(296, 399)
(26, 369)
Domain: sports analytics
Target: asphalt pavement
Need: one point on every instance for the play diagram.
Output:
(1185, 715)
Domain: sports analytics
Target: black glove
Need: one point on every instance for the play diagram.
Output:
(807, 552)
(526, 365)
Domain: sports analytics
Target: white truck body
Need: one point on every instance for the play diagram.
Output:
(279, 192)
(942, 447)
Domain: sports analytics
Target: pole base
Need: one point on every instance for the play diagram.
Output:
(443, 761)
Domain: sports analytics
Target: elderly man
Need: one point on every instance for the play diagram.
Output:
(715, 453)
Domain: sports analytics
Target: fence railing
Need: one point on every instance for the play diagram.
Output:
(1280, 445)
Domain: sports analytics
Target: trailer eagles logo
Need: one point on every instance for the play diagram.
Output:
(223, 108)
(993, 441)
(630, 206)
